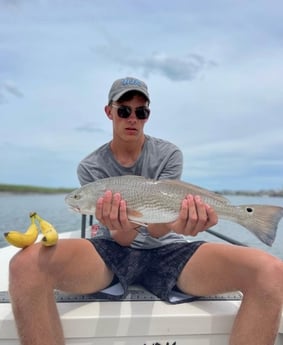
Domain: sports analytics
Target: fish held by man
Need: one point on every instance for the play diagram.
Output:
(159, 201)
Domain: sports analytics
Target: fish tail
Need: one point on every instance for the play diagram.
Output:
(261, 220)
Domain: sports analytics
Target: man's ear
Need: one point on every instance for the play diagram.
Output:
(107, 110)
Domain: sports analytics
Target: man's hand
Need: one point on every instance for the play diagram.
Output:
(111, 211)
(194, 217)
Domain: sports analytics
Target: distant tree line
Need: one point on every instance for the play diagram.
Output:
(270, 192)
(22, 189)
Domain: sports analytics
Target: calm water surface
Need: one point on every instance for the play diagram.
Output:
(14, 215)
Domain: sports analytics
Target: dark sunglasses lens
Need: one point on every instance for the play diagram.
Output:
(124, 112)
(142, 113)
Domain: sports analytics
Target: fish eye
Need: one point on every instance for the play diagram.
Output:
(77, 197)
(249, 209)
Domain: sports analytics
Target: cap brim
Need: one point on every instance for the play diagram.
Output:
(119, 95)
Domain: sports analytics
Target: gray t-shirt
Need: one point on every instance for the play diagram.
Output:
(159, 159)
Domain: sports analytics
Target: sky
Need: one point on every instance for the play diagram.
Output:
(214, 70)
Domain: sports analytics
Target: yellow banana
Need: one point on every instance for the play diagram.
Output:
(50, 235)
(23, 240)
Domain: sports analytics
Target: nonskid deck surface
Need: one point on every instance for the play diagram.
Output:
(135, 293)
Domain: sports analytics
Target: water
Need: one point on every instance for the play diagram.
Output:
(14, 215)
(15, 209)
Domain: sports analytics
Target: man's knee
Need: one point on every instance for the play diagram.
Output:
(21, 268)
(269, 278)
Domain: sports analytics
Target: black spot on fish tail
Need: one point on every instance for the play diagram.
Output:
(262, 221)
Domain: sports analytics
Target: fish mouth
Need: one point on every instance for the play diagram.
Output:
(75, 208)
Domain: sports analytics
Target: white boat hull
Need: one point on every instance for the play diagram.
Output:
(153, 322)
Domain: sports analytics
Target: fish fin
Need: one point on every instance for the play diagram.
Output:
(196, 190)
(262, 221)
(133, 213)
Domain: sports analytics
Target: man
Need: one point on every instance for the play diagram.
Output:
(158, 256)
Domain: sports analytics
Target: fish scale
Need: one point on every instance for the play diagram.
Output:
(159, 201)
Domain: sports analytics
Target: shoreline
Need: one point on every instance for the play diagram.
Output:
(23, 189)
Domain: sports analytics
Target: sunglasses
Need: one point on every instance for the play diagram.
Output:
(125, 111)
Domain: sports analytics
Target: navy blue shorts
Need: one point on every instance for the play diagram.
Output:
(155, 269)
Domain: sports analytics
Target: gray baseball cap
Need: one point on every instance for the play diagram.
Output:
(123, 85)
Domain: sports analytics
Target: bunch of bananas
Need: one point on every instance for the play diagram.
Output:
(23, 240)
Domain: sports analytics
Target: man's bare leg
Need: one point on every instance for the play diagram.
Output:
(72, 265)
(217, 268)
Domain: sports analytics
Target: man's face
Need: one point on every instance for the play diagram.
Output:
(129, 128)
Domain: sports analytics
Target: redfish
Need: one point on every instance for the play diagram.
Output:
(159, 201)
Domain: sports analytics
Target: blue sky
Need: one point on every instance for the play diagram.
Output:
(214, 71)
